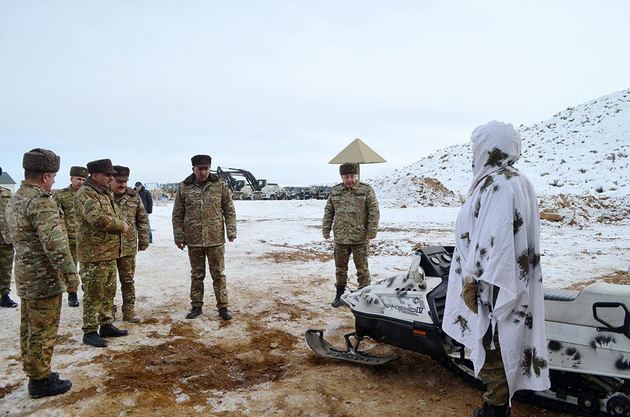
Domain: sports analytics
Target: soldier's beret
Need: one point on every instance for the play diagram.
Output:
(201, 160)
(103, 166)
(121, 172)
(348, 168)
(41, 160)
(78, 172)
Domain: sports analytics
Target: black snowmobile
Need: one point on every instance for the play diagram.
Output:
(588, 334)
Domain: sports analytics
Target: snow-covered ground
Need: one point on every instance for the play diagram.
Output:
(280, 280)
(582, 150)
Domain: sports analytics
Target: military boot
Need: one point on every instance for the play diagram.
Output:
(194, 313)
(38, 388)
(73, 300)
(93, 339)
(129, 314)
(337, 301)
(7, 302)
(225, 314)
(488, 410)
(109, 330)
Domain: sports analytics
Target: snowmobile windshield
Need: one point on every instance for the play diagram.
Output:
(495, 146)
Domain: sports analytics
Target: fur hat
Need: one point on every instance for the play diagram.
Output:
(121, 172)
(78, 172)
(348, 168)
(41, 160)
(103, 166)
(201, 160)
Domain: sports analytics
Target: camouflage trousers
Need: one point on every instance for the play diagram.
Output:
(493, 372)
(359, 255)
(6, 267)
(215, 256)
(99, 289)
(38, 334)
(126, 271)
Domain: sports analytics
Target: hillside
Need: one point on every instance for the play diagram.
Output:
(582, 150)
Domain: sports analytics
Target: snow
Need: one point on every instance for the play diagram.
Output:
(582, 150)
(265, 228)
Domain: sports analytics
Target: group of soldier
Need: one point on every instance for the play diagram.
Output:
(100, 223)
(97, 222)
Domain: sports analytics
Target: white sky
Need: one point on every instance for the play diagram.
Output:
(280, 87)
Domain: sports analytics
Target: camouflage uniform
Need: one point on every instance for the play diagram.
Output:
(100, 224)
(65, 200)
(136, 238)
(201, 216)
(6, 248)
(352, 213)
(43, 270)
(493, 373)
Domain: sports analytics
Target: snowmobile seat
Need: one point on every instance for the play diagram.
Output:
(557, 294)
(577, 307)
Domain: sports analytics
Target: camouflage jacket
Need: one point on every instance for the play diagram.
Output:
(100, 222)
(65, 201)
(136, 217)
(352, 213)
(202, 213)
(5, 196)
(43, 262)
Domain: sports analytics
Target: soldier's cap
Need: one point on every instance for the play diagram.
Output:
(103, 166)
(121, 172)
(76, 171)
(201, 160)
(348, 168)
(138, 183)
(41, 160)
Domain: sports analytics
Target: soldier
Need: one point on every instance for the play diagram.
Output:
(135, 239)
(65, 200)
(352, 213)
(43, 269)
(497, 274)
(101, 224)
(202, 212)
(147, 201)
(6, 252)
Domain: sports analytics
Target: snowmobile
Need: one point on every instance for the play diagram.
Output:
(587, 331)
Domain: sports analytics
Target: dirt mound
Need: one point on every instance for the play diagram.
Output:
(576, 210)
(407, 189)
(616, 277)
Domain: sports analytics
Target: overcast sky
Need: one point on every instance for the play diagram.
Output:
(280, 87)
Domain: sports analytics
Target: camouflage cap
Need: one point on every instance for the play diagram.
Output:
(348, 168)
(121, 172)
(102, 165)
(201, 160)
(76, 171)
(41, 160)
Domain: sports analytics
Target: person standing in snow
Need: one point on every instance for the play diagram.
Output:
(6, 253)
(65, 201)
(202, 214)
(147, 201)
(496, 272)
(135, 239)
(44, 269)
(352, 214)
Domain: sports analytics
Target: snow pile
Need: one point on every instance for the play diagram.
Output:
(413, 190)
(582, 150)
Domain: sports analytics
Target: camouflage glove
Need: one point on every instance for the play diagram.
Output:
(72, 281)
(469, 293)
(143, 246)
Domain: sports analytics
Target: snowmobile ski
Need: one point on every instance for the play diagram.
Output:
(319, 345)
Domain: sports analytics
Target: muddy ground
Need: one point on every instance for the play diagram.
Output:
(257, 364)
